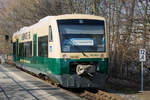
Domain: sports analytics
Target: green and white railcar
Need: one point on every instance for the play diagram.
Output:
(71, 49)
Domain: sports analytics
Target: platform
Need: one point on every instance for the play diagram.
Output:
(18, 85)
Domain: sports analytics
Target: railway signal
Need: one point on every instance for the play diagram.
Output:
(7, 38)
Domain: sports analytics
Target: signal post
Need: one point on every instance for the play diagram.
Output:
(142, 58)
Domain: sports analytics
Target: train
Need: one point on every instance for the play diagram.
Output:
(71, 49)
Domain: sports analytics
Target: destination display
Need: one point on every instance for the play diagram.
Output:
(82, 41)
(25, 36)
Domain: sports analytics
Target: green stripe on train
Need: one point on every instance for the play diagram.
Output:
(57, 65)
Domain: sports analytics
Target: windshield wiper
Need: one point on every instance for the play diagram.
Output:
(80, 50)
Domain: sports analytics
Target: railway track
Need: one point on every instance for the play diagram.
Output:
(85, 94)
(100, 95)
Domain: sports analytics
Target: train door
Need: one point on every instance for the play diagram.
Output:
(43, 53)
(50, 49)
(34, 48)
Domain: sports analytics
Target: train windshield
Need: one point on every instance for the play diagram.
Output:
(82, 35)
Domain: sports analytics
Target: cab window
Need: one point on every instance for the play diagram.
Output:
(50, 34)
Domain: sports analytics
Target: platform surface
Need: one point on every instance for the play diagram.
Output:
(18, 85)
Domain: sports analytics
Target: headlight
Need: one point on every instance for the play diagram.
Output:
(80, 69)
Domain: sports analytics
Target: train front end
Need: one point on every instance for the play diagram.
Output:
(84, 52)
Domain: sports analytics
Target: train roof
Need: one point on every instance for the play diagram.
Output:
(27, 28)
(48, 18)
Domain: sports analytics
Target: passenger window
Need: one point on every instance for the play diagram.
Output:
(43, 46)
(25, 49)
(50, 34)
(21, 49)
(28, 49)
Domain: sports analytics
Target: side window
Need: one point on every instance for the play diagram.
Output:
(28, 49)
(25, 49)
(21, 49)
(50, 34)
(43, 46)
